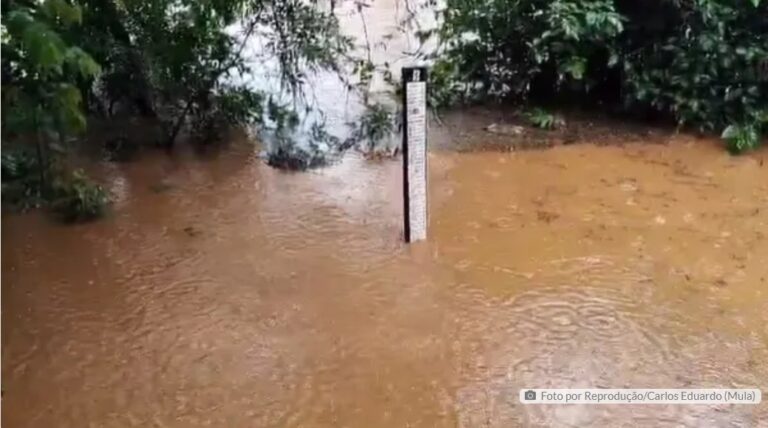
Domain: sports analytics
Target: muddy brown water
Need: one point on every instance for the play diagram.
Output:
(221, 292)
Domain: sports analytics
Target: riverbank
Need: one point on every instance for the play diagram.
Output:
(508, 129)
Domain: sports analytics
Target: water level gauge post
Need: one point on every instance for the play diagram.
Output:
(415, 153)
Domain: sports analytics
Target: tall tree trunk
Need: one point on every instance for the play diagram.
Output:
(179, 123)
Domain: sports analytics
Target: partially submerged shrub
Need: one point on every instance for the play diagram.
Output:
(78, 198)
(299, 150)
(295, 158)
(744, 136)
(297, 142)
(21, 187)
(71, 195)
(231, 107)
(18, 164)
(373, 130)
(741, 138)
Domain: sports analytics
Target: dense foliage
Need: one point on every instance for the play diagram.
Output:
(702, 62)
(178, 62)
(180, 59)
(42, 72)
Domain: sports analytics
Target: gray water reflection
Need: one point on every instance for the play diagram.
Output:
(383, 32)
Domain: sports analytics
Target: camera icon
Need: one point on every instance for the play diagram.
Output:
(530, 395)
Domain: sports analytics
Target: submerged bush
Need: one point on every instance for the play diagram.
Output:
(75, 197)
(741, 138)
(296, 158)
(374, 129)
(299, 149)
(231, 107)
(71, 195)
(18, 164)
(21, 187)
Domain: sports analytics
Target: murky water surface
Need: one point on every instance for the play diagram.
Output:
(222, 292)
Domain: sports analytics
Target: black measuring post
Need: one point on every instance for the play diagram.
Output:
(415, 153)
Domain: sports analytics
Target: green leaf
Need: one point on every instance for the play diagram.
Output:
(541, 118)
(68, 14)
(66, 104)
(741, 138)
(45, 47)
(576, 66)
(82, 62)
(17, 21)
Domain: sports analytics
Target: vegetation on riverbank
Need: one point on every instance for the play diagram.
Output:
(174, 61)
(703, 63)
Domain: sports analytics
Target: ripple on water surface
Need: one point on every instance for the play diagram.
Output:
(250, 297)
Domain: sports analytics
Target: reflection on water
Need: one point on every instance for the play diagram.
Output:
(382, 33)
(222, 292)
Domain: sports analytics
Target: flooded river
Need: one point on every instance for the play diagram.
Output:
(221, 292)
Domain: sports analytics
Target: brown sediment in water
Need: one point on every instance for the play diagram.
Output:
(241, 295)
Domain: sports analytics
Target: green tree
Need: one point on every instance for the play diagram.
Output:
(178, 59)
(697, 62)
(174, 60)
(41, 71)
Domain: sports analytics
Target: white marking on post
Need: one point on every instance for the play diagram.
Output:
(415, 153)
